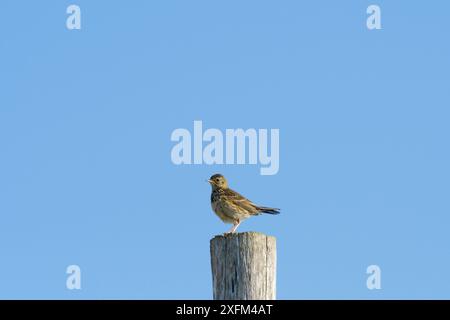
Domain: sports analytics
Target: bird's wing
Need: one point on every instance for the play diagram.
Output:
(241, 201)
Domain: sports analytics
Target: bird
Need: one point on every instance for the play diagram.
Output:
(230, 206)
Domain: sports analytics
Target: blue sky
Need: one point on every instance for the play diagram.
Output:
(86, 117)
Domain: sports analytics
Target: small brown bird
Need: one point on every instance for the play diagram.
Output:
(230, 206)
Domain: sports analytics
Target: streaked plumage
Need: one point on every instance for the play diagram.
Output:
(230, 206)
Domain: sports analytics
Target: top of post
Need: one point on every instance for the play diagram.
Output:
(247, 234)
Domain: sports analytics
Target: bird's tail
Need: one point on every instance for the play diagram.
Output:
(269, 210)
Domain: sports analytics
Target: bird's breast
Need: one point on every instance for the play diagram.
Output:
(218, 207)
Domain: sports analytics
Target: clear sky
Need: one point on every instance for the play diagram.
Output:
(86, 116)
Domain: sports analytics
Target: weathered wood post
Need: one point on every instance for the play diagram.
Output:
(244, 266)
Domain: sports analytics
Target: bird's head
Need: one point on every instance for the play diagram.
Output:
(218, 181)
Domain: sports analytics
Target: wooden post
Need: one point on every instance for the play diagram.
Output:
(244, 266)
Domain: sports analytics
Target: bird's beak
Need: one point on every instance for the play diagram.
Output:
(209, 180)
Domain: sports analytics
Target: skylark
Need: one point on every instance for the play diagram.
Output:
(230, 206)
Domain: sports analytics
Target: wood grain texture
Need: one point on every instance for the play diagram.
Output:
(244, 266)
